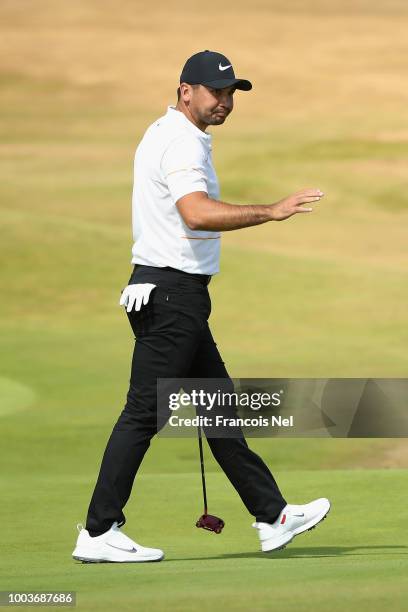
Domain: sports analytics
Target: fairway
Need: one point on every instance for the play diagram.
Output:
(321, 295)
(355, 558)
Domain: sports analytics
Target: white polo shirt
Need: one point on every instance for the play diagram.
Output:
(172, 159)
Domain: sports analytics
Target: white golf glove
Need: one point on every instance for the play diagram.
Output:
(136, 295)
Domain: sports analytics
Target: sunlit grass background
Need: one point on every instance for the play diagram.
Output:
(319, 295)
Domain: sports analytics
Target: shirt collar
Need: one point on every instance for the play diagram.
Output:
(179, 116)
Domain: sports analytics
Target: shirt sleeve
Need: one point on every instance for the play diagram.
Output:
(183, 166)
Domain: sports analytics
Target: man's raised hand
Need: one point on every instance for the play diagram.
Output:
(293, 204)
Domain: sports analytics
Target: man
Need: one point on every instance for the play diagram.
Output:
(177, 224)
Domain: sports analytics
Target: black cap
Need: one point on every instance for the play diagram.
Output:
(213, 69)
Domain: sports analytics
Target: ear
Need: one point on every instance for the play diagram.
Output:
(186, 92)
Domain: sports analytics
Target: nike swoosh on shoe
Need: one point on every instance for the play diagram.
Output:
(124, 549)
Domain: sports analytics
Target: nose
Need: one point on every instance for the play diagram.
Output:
(226, 101)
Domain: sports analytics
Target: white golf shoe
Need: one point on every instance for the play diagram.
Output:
(292, 521)
(112, 546)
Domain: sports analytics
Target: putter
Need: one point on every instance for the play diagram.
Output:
(207, 521)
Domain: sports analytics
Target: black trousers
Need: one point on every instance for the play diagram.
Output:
(173, 340)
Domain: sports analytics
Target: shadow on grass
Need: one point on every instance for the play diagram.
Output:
(306, 553)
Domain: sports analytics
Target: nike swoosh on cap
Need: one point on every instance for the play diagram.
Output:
(124, 549)
(224, 67)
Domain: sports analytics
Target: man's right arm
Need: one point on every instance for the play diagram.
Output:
(200, 212)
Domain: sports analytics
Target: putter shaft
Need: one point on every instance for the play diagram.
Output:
(200, 445)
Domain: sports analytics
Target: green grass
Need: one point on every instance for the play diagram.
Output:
(321, 295)
(355, 558)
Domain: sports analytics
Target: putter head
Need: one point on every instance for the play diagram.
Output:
(211, 523)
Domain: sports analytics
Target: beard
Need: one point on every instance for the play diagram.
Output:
(216, 117)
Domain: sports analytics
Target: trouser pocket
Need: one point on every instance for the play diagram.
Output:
(156, 316)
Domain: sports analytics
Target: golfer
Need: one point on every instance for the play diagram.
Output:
(177, 225)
